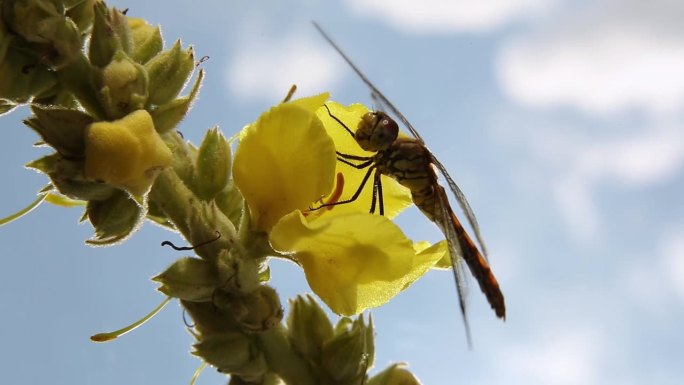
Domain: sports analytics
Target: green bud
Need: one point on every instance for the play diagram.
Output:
(233, 353)
(63, 129)
(190, 279)
(396, 374)
(31, 18)
(111, 33)
(183, 162)
(147, 39)
(257, 311)
(43, 22)
(82, 12)
(348, 355)
(168, 72)
(124, 86)
(309, 327)
(67, 177)
(23, 76)
(167, 116)
(114, 219)
(208, 320)
(213, 165)
(230, 202)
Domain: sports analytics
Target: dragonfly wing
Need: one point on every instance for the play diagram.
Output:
(376, 93)
(463, 203)
(456, 255)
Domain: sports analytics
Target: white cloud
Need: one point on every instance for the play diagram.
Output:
(448, 15)
(615, 56)
(640, 160)
(263, 71)
(672, 249)
(568, 357)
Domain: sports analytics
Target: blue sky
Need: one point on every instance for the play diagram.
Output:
(561, 120)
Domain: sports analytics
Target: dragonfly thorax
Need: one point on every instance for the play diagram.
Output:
(376, 131)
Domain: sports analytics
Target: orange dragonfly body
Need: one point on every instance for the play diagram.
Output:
(410, 162)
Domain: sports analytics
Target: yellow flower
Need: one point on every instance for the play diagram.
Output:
(127, 153)
(284, 164)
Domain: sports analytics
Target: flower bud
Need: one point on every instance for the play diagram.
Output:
(147, 39)
(67, 177)
(190, 279)
(113, 219)
(349, 354)
(233, 353)
(126, 153)
(21, 76)
(61, 128)
(82, 13)
(111, 33)
(308, 325)
(43, 22)
(256, 311)
(230, 202)
(213, 165)
(167, 116)
(124, 86)
(396, 374)
(168, 72)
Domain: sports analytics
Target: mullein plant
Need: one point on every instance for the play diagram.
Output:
(105, 95)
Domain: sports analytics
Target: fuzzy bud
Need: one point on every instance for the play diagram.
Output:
(213, 165)
(124, 86)
(168, 73)
(309, 326)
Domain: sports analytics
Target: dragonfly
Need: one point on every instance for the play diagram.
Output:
(409, 161)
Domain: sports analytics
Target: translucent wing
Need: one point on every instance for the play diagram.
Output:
(374, 90)
(463, 203)
(382, 100)
(456, 255)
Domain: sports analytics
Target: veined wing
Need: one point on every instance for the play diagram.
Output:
(382, 99)
(375, 91)
(461, 245)
(456, 256)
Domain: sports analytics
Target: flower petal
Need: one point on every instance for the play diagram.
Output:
(127, 153)
(395, 196)
(285, 161)
(354, 261)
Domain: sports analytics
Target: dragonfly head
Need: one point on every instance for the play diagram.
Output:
(376, 131)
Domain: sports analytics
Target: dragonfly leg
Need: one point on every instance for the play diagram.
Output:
(377, 195)
(339, 121)
(358, 166)
(353, 197)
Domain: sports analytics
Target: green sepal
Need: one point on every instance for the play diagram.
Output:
(309, 326)
(67, 177)
(82, 12)
(213, 165)
(22, 76)
(167, 116)
(231, 202)
(61, 128)
(256, 311)
(190, 279)
(114, 219)
(125, 86)
(348, 355)
(233, 353)
(147, 39)
(110, 34)
(168, 72)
